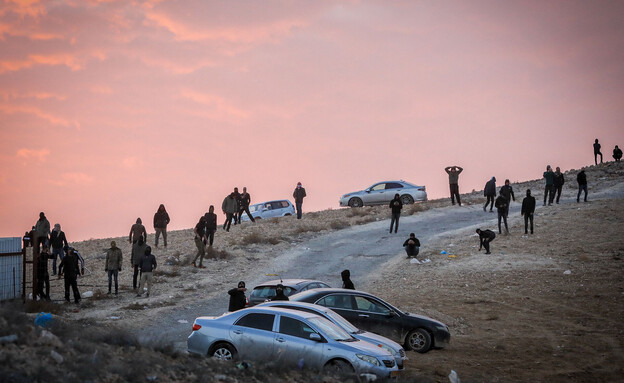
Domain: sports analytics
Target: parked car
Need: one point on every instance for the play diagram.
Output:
(266, 291)
(287, 338)
(392, 347)
(383, 192)
(368, 312)
(270, 209)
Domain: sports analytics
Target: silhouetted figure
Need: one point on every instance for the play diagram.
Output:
(617, 154)
(58, 241)
(237, 297)
(507, 192)
(597, 152)
(148, 265)
(279, 294)
(346, 280)
(138, 249)
(485, 237)
(43, 277)
(581, 179)
(395, 205)
(558, 182)
(70, 268)
(453, 173)
(528, 208)
(113, 263)
(137, 231)
(42, 230)
(245, 200)
(489, 191)
(237, 197)
(211, 224)
(502, 208)
(230, 208)
(27, 239)
(412, 246)
(161, 220)
(200, 242)
(299, 194)
(549, 188)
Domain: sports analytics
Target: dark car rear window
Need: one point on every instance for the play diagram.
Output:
(269, 291)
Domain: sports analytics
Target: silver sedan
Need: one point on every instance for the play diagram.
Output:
(383, 192)
(287, 338)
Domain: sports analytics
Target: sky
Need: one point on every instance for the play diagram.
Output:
(109, 108)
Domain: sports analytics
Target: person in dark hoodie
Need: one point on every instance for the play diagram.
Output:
(581, 179)
(485, 237)
(70, 269)
(237, 297)
(58, 241)
(617, 154)
(502, 207)
(137, 231)
(138, 249)
(148, 265)
(211, 224)
(279, 294)
(558, 182)
(507, 192)
(395, 205)
(200, 242)
(549, 188)
(489, 192)
(161, 220)
(346, 280)
(412, 246)
(245, 200)
(597, 152)
(43, 277)
(528, 208)
(237, 197)
(299, 194)
(113, 263)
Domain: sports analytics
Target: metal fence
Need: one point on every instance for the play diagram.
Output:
(11, 264)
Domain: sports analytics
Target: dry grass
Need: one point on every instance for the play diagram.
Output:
(212, 253)
(256, 238)
(339, 224)
(174, 272)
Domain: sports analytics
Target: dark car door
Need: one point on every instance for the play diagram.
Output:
(343, 304)
(373, 315)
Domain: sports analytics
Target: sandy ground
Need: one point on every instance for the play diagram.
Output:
(514, 315)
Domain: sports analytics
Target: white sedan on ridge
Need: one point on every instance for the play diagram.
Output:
(383, 192)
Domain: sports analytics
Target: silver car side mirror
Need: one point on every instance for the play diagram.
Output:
(315, 336)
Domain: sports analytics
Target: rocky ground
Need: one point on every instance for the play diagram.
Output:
(542, 307)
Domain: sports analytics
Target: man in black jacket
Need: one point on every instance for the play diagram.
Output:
(581, 179)
(147, 265)
(489, 191)
(245, 200)
(528, 208)
(502, 208)
(299, 194)
(70, 267)
(43, 277)
(58, 241)
(279, 294)
(412, 246)
(211, 224)
(346, 280)
(617, 154)
(485, 237)
(558, 180)
(200, 242)
(396, 205)
(161, 220)
(237, 297)
(507, 192)
(597, 152)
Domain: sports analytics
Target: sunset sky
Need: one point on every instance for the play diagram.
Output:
(109, 108)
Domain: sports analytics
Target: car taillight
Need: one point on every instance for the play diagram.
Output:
(421, 189)
(196, 327)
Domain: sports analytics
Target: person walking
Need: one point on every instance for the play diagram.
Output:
(279, 294)
(412, 246)
(42, 230)
(237, 197)
(299, 194)
(502, 208)
(67, 249)
(617, 154)
(238, 300)
(113, 263)
(161, 220)
(346, 280)
(138, 249)
(43, 277)
(58, 241)
(453, 173)
(597, 152)
(549, 189)
(489, 191)
(527, 210)
(211, 224)
(229, 207)
(558, 182)
(148, 265)
(200, 242)
(395, 205)
(581, 179)
(137, 231)
(245, 200)
(69, 266)
(485, 237)
(507, 192)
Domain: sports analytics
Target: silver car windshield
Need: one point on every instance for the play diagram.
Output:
(345, 324)
(331, 330)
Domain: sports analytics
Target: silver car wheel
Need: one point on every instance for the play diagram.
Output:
(223, 352)
(355, 202)
(407, 199)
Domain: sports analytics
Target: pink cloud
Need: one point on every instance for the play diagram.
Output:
(39, 155)
(32, 110)
(68, 179)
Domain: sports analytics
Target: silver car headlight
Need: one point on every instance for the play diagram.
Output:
(369, 359)
(387, 348)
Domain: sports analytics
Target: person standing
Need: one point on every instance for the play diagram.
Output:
(71, 269)
(211, 224)
(489, 191)
(558, 182)
(237, 297)
(299, 194)
(138, 249)
(346, 280)
(412, 246)
(502, 208)
(279, 294)
(43, 277)
(528, 209)
(453, 173)
(617, 154)
(507, 192)
(245, 200)
(58, 241)
(597, 152)
(485, 237)
(395, 205)
(161, 220)
(549, 189)
(581, 179)
(200, 242)
(148, 265)
(114, 260)
(230, 208)
(237, 197)
(137, 231)
(42, 230)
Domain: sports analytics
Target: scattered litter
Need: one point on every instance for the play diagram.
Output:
(443, 252)
(87, 294)
(368, 377)
(43, 319)
(49, 339)
(56, 356)
(567, 272)
(220, 378)
(453, 377)
(115, 318)
(243, 365)
(451, 256)
(8, 339)
(415, 261)
(502, 253)
(152, 378)
(182, 321)
(451, 244)
(425, 260)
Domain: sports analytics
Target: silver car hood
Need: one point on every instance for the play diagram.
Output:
(368, 349)
(375, 339)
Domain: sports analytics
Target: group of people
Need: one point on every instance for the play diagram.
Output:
(617, 153)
